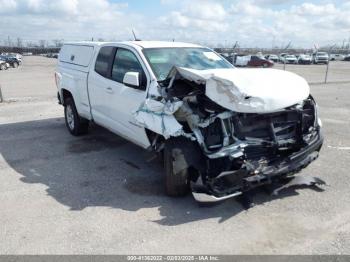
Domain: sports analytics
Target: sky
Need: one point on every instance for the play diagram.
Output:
(251, 23)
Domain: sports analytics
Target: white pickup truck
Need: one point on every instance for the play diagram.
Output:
(221, 131)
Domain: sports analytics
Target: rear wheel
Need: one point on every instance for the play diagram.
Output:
(75, 124)
(176, 181)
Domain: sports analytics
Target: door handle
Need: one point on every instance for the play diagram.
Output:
(109, 90)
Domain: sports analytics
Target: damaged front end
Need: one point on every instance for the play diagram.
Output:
(245, 140)
(261, 148)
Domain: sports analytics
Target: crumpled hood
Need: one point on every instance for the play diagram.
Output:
(250, 90)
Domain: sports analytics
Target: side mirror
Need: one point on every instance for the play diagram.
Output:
(132, 79)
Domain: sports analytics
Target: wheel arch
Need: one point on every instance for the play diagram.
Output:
(64, 94)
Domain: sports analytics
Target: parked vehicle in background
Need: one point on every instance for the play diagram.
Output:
(336, 57)
(253, 61)
(320, 58)
(281, 57)
(229, 57)
(13, 55)
(290, 59)
(259, 61)
(347, 57)
(51, 55)
(242, 60)
(221, 131)
(17, 56)
(3, 64)
(304, 59)
(273, 58)
(11, 60)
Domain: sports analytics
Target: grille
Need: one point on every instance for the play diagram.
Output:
(267, 134)
(279, 129)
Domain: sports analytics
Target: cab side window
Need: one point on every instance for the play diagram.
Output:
(104, 60)
(125, 61)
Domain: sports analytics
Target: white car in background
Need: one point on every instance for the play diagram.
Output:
(290, 59)
(242, 60)
(281, 57)
(320, 58)
(304, 59)
(336, 57)
(272, 57)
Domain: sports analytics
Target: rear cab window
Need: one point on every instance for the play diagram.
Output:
(104, 60)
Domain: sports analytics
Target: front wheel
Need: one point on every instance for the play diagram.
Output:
(15, 65)
(176, 180)
(75, 124)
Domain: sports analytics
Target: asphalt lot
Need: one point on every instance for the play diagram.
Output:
(97, 194)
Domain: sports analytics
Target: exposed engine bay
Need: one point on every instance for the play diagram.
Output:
(235, 140)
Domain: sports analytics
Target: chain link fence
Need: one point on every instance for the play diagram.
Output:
(336, 71)
(333, 72)
(32, 50)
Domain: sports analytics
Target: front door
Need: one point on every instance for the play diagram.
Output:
(125, 100)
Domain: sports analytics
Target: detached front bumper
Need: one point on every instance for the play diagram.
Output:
(286, 166)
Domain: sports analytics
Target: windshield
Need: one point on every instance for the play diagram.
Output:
(162, 60)
(321, 53)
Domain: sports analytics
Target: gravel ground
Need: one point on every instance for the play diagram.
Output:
(97, 194)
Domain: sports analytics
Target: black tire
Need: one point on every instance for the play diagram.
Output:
(75, 124)
(176, 184)
(265, 65)
(15, 65)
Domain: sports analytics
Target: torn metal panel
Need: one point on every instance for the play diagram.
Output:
(158, 117)
(154, 89)
(250, 90)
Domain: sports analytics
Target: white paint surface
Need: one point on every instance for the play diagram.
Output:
(250, 90)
